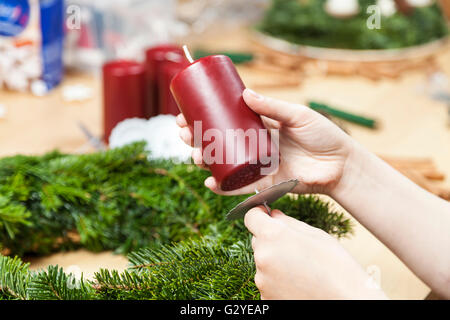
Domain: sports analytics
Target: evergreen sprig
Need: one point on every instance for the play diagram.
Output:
(14, 278)
(54, 284)
(120, 200)
(192, 269)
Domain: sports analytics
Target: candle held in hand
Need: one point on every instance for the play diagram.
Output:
(209, 94)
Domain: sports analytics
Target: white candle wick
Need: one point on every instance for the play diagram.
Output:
(187, 54)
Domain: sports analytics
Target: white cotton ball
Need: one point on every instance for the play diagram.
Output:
(6, 63)
(39, 88)
(77, 92)
(4, 43)
(134, 48)
(3, 111)
(342, 8)
(31, 68)
(420, 3)
(16, 81)
(88, 58)
(163, 139)
(22, 54)
(128, 131)
(160, 133)
(438, 82)
(387, 7)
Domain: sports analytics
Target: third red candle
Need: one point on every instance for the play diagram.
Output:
(169, 69)
(156, 57)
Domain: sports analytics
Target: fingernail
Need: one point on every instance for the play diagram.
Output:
(209, 182)
(182, 133)
(178, 119)
(255, 95)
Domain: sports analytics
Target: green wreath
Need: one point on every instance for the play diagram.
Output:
(307, 23)
(159, 213)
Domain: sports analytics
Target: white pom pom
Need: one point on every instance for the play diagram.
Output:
(39, 88)
(160, 133)
(16, 81)
(420, 3)
(387, 7)
(128, 131)
(77, 92)
(342, 8)
(3, 111)
(6, 63)
(31, 67)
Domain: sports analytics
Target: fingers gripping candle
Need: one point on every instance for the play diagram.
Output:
(235, 144)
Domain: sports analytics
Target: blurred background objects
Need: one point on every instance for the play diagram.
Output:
(378, 68)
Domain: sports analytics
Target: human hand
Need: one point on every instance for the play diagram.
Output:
(296, 261)
(313, 149)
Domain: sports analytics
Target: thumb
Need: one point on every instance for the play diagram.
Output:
(290, 114)
(257, 220)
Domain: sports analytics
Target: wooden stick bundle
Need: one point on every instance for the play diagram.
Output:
(375, 70)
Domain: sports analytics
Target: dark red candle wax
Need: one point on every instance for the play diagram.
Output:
(155, 58)
(123, 93)
(169, 69)
(210, 90)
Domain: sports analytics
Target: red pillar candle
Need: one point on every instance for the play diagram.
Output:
(155, 58)
(169, 69)
(123, 93)
(210, 90)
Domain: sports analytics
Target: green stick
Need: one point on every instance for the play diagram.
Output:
(363, 121)
(236, 57)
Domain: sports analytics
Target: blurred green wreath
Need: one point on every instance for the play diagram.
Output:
(308, 23)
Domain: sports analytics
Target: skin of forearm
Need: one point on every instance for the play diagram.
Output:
(412, 222)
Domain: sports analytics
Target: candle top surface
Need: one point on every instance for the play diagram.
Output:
(164, 47)
(204, 61)
(123, 67)
(159, 52)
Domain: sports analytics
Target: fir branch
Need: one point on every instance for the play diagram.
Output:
(200, 269)
(194, 269)
(14, 278)
(11, 215)
(317, 213)
(120, 200)
(182, 183)
(54, 284)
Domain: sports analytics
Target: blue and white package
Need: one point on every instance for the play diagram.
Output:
(31, 44)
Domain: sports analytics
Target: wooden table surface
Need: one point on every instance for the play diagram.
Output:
(412, 125)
